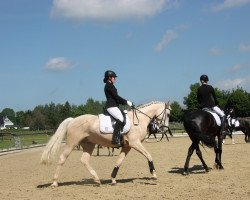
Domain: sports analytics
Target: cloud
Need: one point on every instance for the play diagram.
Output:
(215, 51)
(169, 36)
(229, 84)
(109, 10)
(59, 64)
(228, 4)
(238, 67)
(243, 47)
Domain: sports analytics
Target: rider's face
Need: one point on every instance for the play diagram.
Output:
(112, 79)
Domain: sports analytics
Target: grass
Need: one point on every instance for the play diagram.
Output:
(20, 139)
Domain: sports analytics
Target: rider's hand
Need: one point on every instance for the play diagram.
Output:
(129, 103)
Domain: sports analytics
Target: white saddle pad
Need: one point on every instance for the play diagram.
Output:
(106, 124)
(234, 122)
(216, 117)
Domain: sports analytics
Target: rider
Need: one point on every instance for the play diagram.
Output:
(231, 117)
(207, 99)
(112, 103)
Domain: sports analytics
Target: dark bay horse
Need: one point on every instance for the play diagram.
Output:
(201, 127)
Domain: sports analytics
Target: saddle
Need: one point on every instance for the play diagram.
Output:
(107, 123)
(215, 115)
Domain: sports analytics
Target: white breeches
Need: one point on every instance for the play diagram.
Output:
(116, 113)
(218, 111)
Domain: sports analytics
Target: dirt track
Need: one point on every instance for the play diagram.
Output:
(21, 176)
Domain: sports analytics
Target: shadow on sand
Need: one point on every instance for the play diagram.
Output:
(90, 182)
(196, 169)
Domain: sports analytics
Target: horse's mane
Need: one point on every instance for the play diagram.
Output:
(150, 103)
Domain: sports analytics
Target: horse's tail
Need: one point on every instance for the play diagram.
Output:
(207, 140)
(55, 141)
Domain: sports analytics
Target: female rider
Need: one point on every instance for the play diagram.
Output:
(112, 103)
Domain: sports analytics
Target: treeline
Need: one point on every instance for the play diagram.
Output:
(51, 115)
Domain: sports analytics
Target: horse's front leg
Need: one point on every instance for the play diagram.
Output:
(121, 157)
(141, 149)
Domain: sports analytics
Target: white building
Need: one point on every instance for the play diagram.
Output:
(5, 123)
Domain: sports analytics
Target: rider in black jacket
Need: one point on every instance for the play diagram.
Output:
(207, 99)
(112, 104)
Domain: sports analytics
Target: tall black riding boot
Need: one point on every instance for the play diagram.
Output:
(117, 133)
(223, 124)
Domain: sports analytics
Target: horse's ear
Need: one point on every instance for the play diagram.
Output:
(168, 105)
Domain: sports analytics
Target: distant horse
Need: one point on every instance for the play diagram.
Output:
(111, 152)
(202, 127)
(231, 123)
(163, 129)
(240, 124)
(84, 130)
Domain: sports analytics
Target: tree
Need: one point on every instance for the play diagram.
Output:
(93, 107)
(20, 119)
(176, 113)
(10, 113)
(239, 99)
(191, 100)
(51, 116)
(38, 119)
(64, 111)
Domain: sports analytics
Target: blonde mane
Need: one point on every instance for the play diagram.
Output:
(150, 103)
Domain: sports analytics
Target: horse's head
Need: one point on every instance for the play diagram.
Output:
(160, 110)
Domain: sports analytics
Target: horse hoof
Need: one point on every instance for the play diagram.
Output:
(207, 170)
(113, 182)
(220, 167)
(97, 182)
(185, 173)
(54, 184)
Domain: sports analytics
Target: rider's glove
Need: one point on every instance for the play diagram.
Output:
(129, 103)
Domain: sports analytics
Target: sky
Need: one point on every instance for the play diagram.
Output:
(58, 50)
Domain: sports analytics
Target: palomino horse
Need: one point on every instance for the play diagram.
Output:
(201, 126)
(84, 130)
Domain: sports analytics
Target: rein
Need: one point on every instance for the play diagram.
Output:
(163, 119)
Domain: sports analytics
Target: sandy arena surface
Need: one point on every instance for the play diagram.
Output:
(22, 177)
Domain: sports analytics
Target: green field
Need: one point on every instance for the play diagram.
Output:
(22, 139)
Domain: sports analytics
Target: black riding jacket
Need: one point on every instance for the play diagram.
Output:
(113, 99)
(206, 96)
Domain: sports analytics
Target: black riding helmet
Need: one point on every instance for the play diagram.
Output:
(204, 78)
(108, 74)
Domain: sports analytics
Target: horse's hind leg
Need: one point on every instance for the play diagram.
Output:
(61, 161)
(199, 154)
(88, 149)
(190, 152)
(121, 157)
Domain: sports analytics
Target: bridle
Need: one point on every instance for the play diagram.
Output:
(161, 121)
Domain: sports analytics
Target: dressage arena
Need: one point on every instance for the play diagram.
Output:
(22, 177)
